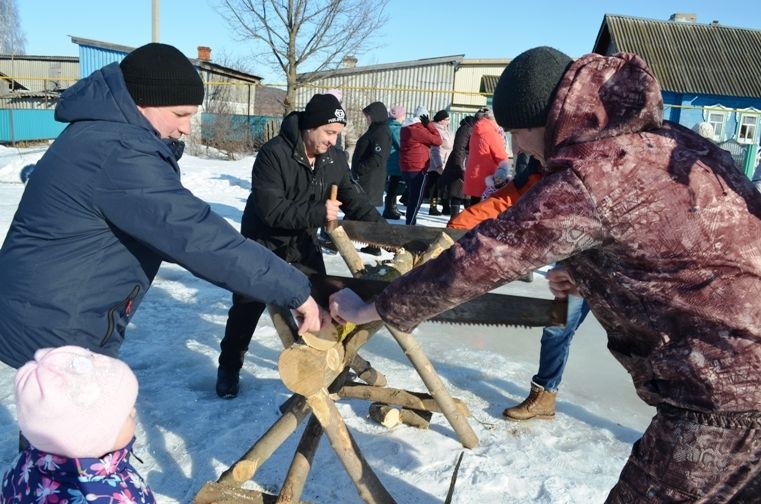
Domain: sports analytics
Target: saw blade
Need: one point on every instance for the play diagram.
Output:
(392, 237)
(488, 309)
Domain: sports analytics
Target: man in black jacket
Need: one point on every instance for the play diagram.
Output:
(290, 189)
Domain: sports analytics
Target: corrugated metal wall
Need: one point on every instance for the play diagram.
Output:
(41, 75)
(430, 86)
(468, 78)
(92, 58)
(26, 125)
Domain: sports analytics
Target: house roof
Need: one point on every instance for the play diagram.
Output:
(689, 57)
(204, 64)
(451, 60)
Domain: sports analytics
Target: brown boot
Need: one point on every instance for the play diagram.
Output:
(539, 404)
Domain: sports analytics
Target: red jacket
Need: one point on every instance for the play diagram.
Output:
(485, 151)
(415, 143)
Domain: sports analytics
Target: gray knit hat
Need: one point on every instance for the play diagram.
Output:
(527, 86)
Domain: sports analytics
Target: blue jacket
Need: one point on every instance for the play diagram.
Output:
(103, 208)
(392, 163)
(39, 477)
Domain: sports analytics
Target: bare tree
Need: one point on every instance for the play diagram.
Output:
(12, 40)
(294, 32)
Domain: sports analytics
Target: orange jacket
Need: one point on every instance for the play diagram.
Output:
(486, 150)
(497, 203)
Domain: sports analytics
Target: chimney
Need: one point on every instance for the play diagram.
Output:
(204, 53)
(684, 17)
(715, 22)
(349, 62)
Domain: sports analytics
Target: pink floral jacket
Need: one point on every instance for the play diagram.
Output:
(44, 478)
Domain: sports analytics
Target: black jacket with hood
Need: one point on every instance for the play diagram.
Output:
(451, 180)
(368, 165)
(287, 201)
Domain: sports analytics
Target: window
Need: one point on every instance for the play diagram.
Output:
(748, 127)
(717, 119)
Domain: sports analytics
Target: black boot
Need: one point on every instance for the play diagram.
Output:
(390, 211)
(432, 210)
(446, 208)
(228, 383)
(455, 209)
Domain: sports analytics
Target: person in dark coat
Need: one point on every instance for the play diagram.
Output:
(106, 206)
(394, 183)
(368, 165)
(451, 180)
(290, 191)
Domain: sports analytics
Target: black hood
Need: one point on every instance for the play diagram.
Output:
(377, 112)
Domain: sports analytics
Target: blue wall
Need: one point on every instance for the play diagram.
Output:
(690, 116)
(28, 124)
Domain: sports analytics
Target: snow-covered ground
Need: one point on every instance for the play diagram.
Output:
(187, 436)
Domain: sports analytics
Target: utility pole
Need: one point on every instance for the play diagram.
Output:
(155, 20)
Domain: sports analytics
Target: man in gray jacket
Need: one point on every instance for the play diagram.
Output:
(105, 207)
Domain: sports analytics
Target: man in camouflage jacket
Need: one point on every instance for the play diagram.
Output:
(659, 232)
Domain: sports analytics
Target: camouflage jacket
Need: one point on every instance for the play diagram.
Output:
(656, 225)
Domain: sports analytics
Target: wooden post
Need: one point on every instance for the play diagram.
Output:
(367, 373)
(436, 247)
(246, 466)
(418, 359)
(435, 386)
(370, 489)
(403, 398)
(293, 485)
(284, 324)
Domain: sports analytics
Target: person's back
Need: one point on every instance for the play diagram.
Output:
(368, 164)
(486, 150)
(76, 409)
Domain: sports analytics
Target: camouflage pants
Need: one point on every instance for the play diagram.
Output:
(686, 456)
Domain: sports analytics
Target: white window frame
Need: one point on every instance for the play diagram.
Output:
(719, 127)
(741, 116)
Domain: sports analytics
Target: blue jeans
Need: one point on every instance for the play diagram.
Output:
(556, 343)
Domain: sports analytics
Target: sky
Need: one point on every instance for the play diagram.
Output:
(415, 28)
(187, 436)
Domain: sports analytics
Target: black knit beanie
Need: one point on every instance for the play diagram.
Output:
(159, 75)
(526, 88)
(440, 115)
(322, 109)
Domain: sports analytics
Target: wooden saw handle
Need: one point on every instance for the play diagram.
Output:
(333, 197)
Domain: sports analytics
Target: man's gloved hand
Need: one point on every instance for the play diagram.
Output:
(424, 120)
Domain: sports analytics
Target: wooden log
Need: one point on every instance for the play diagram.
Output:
(436, 387)
(216, 493)
(370, 489)
(403, 398)
(325, 339)
(331, 225)
(294, 482)
(346, 248)
(384, 414)
(246, 466)
(388, 271)
(284, 324)
(436, 247)
(367, 373)
(306, 370)
(420, 419)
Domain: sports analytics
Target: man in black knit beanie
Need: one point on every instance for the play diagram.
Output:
(105, 206)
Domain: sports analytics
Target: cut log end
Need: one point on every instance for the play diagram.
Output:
(245, 470)
(325, 339)
(385, 415)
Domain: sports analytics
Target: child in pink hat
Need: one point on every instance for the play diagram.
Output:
(76, 409)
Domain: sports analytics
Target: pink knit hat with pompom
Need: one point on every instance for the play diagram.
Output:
(73, 402)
